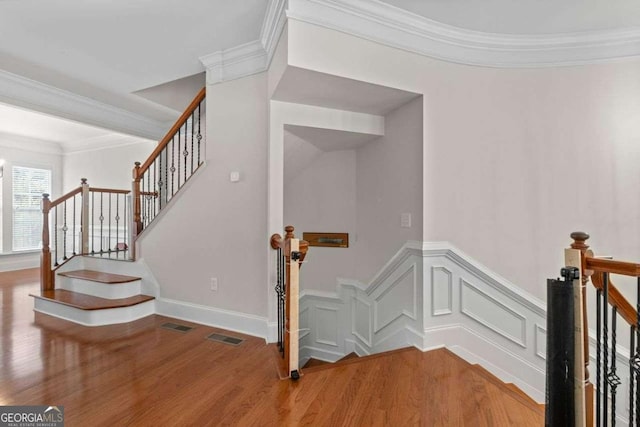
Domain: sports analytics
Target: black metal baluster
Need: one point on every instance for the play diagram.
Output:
(101, 218)
(166, 174)
(612, 378)
(185, 152)
(199, 137)
(179, 151)
(126, 222)
(192, 136)
(637, 355)
(283, 299)
(160, 183)
(278, 297)
(117, 218)
(605, 349)
(173, 165)
(155, 191)
(55, 235)
(632, 340)
(64, 230)
(109, 239)
(598, 353)
(93, 223)
(148, 197)
(73, 233)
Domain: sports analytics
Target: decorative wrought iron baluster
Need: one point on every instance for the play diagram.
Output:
(117, 218)
(55, 235)
(155, 191)
(632, 341)
(64, 230)
(598, 353)
(605, 349)
(101, 219)
(109, 238)
(93, 223)
(637, 355)
(160, 183)
(73, 233)
(148, 197)
(612, 378)
(192, 136)
(126, 222)
(278, 293)
(185, 152)
(179, 151)
(173, 167)
(283, 299)
(199, 137)
(166, 174)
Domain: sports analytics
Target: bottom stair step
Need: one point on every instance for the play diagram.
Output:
(89, 310)
(89, 302)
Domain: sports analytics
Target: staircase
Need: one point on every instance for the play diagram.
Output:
(89, 271)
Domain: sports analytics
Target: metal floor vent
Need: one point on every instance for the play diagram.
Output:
(225, 339)
(176, 327)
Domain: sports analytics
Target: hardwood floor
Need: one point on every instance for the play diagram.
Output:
(143, 375)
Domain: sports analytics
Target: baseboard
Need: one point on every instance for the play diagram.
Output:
(13, 262)
(225, 319)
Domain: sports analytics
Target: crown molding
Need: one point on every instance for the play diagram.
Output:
(236, 62)
(34, 95)
(249, 58)
(389, 25)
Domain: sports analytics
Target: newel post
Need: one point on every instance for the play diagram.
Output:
(46, 275)
(84, 217)
(579, 242)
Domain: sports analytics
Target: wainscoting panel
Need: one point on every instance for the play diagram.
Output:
(397, 300)
(496, 316)
(431, 295)
(441, 291)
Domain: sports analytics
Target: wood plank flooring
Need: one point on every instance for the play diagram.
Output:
(139, 374)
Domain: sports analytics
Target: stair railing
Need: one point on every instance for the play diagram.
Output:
(290, 255)
(600, 405)
(85, 221)
(176, 158)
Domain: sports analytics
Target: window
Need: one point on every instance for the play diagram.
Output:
(28, 186)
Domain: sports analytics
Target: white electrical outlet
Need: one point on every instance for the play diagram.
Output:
(214, 284)
(405, 220)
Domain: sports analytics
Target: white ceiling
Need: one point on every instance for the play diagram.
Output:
(28, 129)
(528, 16)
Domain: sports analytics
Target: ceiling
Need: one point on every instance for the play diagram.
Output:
(141, 57)
(36, 131)
(526, 17)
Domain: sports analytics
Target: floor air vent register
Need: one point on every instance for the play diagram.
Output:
(225, 339)
(176, 327)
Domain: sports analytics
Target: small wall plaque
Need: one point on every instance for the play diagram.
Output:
(328, 240)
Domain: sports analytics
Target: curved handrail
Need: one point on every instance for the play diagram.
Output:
(616, 299)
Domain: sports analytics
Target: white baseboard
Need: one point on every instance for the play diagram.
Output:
(15, 262)
(225, 319)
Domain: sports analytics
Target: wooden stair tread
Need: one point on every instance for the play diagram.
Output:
(99, 276)
(89, 302)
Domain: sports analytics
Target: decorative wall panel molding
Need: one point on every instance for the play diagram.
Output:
(412, 302)
(441, 291)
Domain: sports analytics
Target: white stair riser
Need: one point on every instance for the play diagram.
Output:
(97, 289)
(95, 317)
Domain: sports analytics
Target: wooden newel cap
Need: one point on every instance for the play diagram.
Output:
(579, 240)
(137, 164)
(45, 195)
(275, 241)
(83, 181)
(289, 229)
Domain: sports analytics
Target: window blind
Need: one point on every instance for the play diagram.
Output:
(28, 186)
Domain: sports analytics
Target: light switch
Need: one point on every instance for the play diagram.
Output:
(234, 176)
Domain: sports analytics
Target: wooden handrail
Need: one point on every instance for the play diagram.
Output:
(62, 199)
(109, 190)
(616, 299)
(174, 129)
(610, 266)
